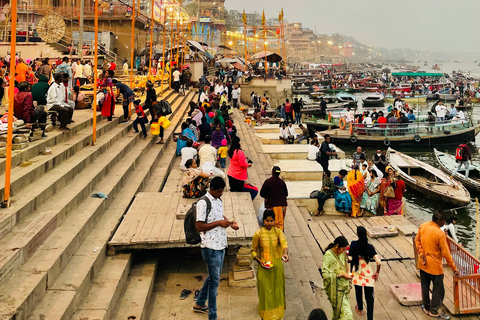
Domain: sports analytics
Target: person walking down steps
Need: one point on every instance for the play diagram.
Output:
(141, 118)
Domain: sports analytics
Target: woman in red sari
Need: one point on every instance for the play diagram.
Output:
(108, 107)
(356, 187)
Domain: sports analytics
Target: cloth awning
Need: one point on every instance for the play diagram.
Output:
(417, 74)
(227, 60)
(238, 66)
(224, 47)
(196, 45)
(271, 56)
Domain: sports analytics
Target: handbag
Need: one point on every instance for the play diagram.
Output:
(389, 192)
(314, 194)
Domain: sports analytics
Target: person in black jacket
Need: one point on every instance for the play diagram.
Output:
(150, 99)
(274, 191)
(325, 153)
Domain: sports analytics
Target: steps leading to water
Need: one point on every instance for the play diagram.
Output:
(74, 251)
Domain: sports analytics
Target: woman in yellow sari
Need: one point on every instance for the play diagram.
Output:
(269, 248)
(356, 187)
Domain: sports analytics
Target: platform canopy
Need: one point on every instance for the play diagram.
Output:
(416, 74)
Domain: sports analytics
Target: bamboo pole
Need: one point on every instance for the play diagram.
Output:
(245, 44)
(265, 50)
(178, 42)
(163, 51)
(95, 75)
(132, 44)
(151, 38)
(11, 97)
(478, 230)
(171, 55)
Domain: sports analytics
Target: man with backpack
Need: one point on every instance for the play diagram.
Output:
(212, 225)
(462, 156)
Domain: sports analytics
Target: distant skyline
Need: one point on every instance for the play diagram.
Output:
(440, 25)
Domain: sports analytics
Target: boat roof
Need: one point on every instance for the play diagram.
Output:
(417, 74)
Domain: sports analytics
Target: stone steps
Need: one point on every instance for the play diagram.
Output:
(137, 295)
(70, 258)
(18, 245)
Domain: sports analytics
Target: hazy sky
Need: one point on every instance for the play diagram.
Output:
(418, 24)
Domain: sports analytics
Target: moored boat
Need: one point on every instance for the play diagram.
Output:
(347, 97)
(418, 99)
(448, 164)
(373, 101)
(428, 180)
(447, 97)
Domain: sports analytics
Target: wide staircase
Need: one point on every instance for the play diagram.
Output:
(53, 238)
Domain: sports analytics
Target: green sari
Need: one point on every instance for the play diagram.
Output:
(337, 289)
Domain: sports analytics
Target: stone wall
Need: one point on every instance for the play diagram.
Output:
(277, 90)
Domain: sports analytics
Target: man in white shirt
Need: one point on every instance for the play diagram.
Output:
(235, 94)
(212, 227)
(287, 134)
(87, 71)
(440, 111)
(218, 89)
(368, 121)
(312, 151)
(208, 158)
(176, 80)
(203, 97)
(79, 74)
(349, 116)
(56, 102)
(188, 153)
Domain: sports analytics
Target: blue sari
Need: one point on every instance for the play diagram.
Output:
(188, 133)
(343, 201)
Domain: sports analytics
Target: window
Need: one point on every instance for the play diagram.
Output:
(56, 3)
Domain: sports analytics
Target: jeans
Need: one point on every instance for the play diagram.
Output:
(288, 117)
(324, 163)
(235, 103)
(223, 162)
(241, 186)
(214, 260)
(140, 121)
(460, 164)
(442, 121)
(438, 292)
(369, 298)
(321, 198)
(303, 138)
(298, 117)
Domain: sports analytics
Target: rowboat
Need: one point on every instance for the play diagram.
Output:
(448, 164)
(347, 97)
(373, 101)
(423, 98)
(428, 180)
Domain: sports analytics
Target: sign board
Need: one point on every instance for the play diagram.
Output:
(204, 19)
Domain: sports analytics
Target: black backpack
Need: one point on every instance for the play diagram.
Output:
(165, 107)
(189, 225)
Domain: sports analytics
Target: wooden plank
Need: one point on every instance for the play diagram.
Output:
(319, 236)
(228, 212)
(328, 234)
(152, 212)
(381, 231)
(139, 216)
(332, 227)
(399, 243)
(128, 221)
(346, 231)
(164, 233)
(404, 226)
(248, 214)
(384, 252)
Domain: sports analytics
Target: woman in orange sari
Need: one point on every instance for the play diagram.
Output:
(356, 187)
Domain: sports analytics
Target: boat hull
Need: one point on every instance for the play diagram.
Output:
(431, 194)
(425, 141)
(468, 183)
(373, 104)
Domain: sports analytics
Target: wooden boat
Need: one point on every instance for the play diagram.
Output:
(449, 164)
(373, 101)
(347, 97)
(428, 180)
(447, 97)
(418, 99)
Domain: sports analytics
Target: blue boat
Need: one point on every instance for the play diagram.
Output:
(347, 97)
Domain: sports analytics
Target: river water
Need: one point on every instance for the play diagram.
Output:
(418, 206)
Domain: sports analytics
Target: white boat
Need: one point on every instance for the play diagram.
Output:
(428, 180)
(373, 100)
(448, 164)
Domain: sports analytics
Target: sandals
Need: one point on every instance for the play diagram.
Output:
(197, 292)
(185, 293)
(440, 316)
(360, 312)
(200, 309)
(425, 310)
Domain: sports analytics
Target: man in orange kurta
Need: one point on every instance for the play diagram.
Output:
(21, 71)
(432, 247)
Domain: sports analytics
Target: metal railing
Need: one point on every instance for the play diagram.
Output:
(466, 287)
(408, 129)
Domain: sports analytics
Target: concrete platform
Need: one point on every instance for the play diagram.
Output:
(307, 169)
(272, 128)
(292, 151)
(409, 294)
(300, 192)
(273, 138)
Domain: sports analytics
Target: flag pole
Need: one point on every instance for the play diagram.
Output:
(11, 97)
(151, 38)
(132, 43)
(265, 43)
(163, 52)
(95, 76)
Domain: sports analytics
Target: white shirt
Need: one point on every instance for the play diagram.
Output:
(203, 97)
(284, 132)
(207, 153)
(460, 115)
(56, 95)
(87, 70)
(176, 75)
(216, 238)
(350, 117)
(312, 152)
(291, 131)
(197, 116)
(79, 71)
(234, 94)
(450, 227)
(440, 110)
(125, 66)
(218, 89)
(367, 120)
(187, 154)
